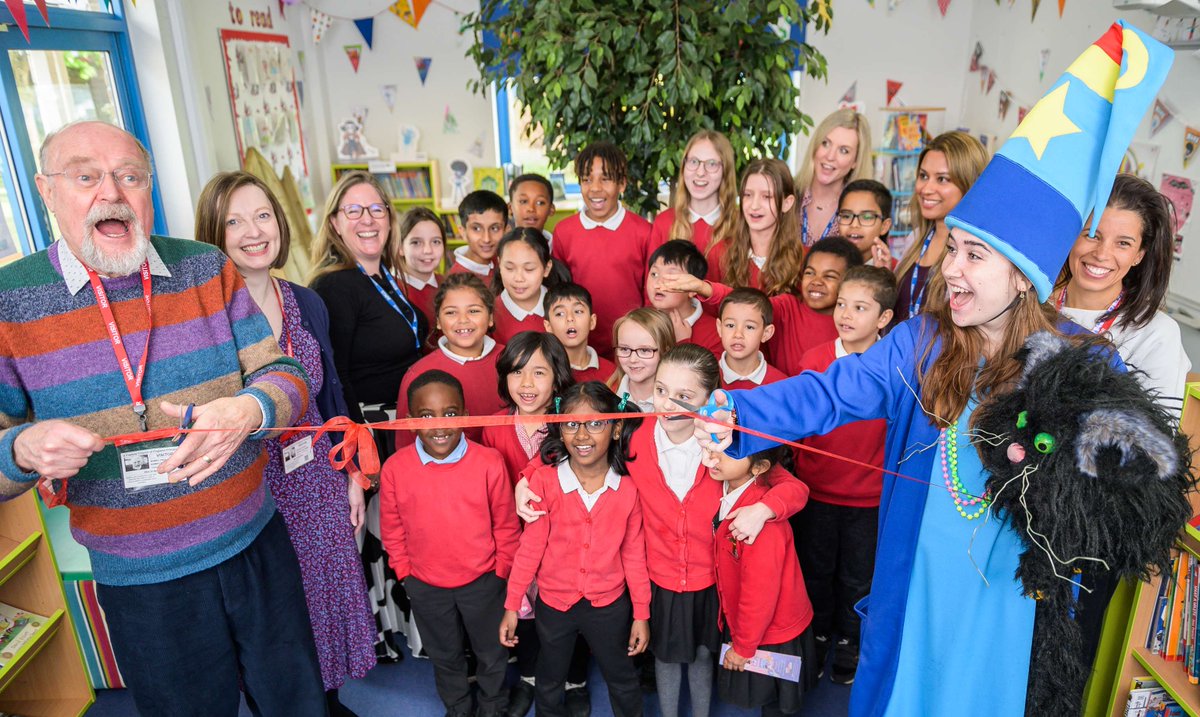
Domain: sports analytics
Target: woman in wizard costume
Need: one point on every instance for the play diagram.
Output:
(948, 626)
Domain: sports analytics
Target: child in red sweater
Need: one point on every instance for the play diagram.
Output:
(744, 324)
(836, 532)
(568, 308)
(523, 258)
(588, 555)
(679, 257)
(531, 202)
(464, 313)
(423, 240)
(640, 338)
(484, 218)
(763, 602)
(605, 246)
(443, 479)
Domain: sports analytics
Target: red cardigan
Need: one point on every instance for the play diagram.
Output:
(478, 380)
(761, 590)
(472, 498)
(797, 328)
(579, 555)
(660, 231)
(504, 439)
(834, 481)
(507, 326)
(609, 264)
(679, 535)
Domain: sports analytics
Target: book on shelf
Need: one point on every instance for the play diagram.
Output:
(1174, 630)
(17, 628)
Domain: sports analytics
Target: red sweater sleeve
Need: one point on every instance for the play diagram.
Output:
(391, 525)
(506, 528)
(787, 496)
(633, 561)
(532, 547)
(760, 584)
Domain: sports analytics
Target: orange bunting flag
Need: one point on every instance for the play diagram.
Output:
(410, 11)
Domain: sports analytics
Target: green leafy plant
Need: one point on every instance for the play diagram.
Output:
(647, 74)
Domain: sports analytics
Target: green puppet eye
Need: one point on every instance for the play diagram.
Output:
(1044, 443)
(1022, 419)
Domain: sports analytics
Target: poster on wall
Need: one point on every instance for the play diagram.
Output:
(266, 107)
(1180, 192)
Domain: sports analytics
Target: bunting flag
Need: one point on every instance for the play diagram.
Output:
(449, 123)
(423, 64)
(892, 88)
(984, 72)
(976, 56)
(1043, 58)
(1005, 101)
(366, 28)
(410, 11)
(943, 5)
(320, 23)
(1035, 9)
(1021, 112)
(1162, 115)
(17, 8)
(850, 95)
(991, 81)
(41, 6)
(1061, 4)
(1191, 137)
(354, 52)
(389, 96)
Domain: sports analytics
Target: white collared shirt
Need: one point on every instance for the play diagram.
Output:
(460, 257)
(611, 224)
(569, 482)
(521, 314)
(418, 283)
(839, 349)
(756, 376)
(678, 461)
(697, 312)
(647, 406)
(444, 344)
(75, 274)
(759, 261)
(710, 219)
(730, 499)
(592, 362)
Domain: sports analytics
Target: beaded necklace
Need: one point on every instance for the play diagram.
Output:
(948, 441)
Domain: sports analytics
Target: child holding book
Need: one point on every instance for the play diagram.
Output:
(706, 197)
(764, 605)
(455, 586)
(836, 532)
(588, 555)
(569, 317)
(744, 324)
(523, 257)
(605, 246)
(484, 218)
(674, 258)
(423, 241)
(531, 203)
(640, 338)
(865, 218)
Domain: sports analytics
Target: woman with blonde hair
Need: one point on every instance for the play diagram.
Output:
(839, 153)
(946, 169)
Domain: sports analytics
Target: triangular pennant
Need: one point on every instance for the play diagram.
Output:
(17, 8)
(984, 70)
(1043, 57)
(320, 22)
(1021, 112)
(354, 52)
(892, 88)
(1005, 100)
(366, 28)
(850, 95)
(1162, 115)
(1061, 4)
(1035, 9)
(976, 55)
(410, 11)
(423, 64)
(943, 5)
(282, 5)
(41, 6)
(991, 81)
(1191, 138)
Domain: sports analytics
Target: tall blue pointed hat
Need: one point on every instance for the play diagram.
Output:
(1058, 167)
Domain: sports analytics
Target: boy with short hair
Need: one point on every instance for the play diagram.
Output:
(531, 203)
(484, 218)
(865, 218)
(441, 482)
(569, 317)
(605, 246)
(675, 258)
(744, 324)
(836, 531)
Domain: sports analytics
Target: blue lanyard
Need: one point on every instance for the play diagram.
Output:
(804, 228)
(914, 299)
(412, 323)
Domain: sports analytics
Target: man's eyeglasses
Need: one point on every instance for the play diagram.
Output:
(87, 178)
(570, 428)
(866, 219)
(355, 211)
(642, 353)
(710, 165)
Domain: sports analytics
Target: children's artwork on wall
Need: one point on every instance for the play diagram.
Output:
(406, 148)
(352, 144)
(1043, 58)
(1141, 159)
(449, 123)
(423, 64)
(389, 96)
(264, 96)
(476, 147)
(1191, 137)
(1180, 192)
(490, 178)
(1162, 115)
(460, 179)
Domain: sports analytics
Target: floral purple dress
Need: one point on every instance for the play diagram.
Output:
(312, 500)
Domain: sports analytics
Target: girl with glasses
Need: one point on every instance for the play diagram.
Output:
(640, 339)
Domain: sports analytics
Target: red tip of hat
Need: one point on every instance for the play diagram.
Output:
(1110, 42)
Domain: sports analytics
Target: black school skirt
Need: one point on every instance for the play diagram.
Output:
(681, 622)
(750, 689)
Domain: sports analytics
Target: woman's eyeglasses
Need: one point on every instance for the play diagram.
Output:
(866, 219)
(710, 165)
(355, 211)
(570, 428)
(642, 353)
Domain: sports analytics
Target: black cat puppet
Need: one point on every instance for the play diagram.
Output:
(1093, 476)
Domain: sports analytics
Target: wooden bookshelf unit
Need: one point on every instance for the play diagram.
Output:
(46, 676)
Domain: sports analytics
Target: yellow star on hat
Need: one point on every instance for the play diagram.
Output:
(1047, 120)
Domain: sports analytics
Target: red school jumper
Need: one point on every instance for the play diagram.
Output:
(679, 534)
(507, 325)
(611, 265)
(504, 439)
(472, 498)
(422, 296)
(602, 371)
(580, 555)
(478, 378)
(704, 333)
(716, 273)
(660, 231)
(763, 599)
(833, 481)
(773, 374)
(797, 328)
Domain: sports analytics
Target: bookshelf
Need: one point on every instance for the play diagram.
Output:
(409, 184)
(905, 132)
(1136, 659)
(46, 676)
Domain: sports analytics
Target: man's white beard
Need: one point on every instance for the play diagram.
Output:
(122, 264)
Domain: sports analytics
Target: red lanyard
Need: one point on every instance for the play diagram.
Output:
(1101, 327)
(133, 380)
(283, 327)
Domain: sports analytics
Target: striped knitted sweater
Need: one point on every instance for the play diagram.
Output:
(209, 340)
